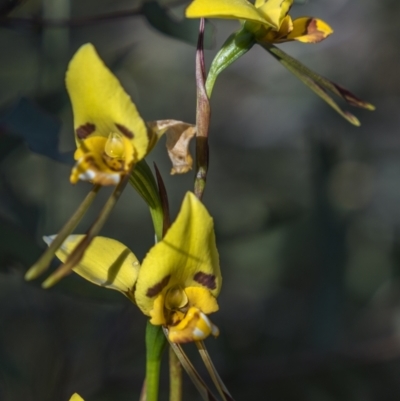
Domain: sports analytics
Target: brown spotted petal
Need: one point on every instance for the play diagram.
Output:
(179, 135)
(308, 30)
(185, 258)
(100, 104)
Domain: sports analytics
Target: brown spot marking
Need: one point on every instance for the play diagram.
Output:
(84, 131)
(313, 32)
(156, 289)
(208, 280)
(124, 131)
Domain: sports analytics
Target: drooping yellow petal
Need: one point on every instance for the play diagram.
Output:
(106, 262)
(230, 9)
(186, 257)
(275, 11)
(309, 30)
(305, 29)
(76, 397)
(100, 104)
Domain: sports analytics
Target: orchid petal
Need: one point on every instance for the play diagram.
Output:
(309, 30)
(76, 397)
(230, 9)
(100, 104)
(107, 262)
(275, 11)
(186, 257)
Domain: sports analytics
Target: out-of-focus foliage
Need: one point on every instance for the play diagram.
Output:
(40, 130)
(305, 207)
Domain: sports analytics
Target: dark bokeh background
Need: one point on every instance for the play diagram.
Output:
(306, 207)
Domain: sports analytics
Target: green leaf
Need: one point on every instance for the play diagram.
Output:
(235, 47)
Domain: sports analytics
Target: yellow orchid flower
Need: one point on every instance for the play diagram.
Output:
(267, 19)
(178, 281)
(180, 278)
(110, 135)
(76, 397)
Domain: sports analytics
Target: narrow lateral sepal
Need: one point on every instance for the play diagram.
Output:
(76, 256)
(319, 84)
(44, 261)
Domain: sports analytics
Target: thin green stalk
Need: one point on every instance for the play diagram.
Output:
(152, 379)
(143, 181)
(175, 377)
(44, 261)
(155, 345)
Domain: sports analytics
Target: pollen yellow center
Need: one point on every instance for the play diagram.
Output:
(114, 146)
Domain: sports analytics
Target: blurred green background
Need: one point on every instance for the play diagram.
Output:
(306, 207)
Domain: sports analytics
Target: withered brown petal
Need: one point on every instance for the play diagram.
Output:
(178, 135)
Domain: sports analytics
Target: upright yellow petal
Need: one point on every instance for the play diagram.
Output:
(274, 11)
(186, 257)
(231, 9)
(106, 262)
(76, 397)
(100, 104)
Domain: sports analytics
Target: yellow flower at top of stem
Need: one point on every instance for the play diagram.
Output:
(267, 19)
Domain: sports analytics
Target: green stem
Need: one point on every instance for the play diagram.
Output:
(152, 379)
(155, 344)
(143, 181)
(175, 377)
